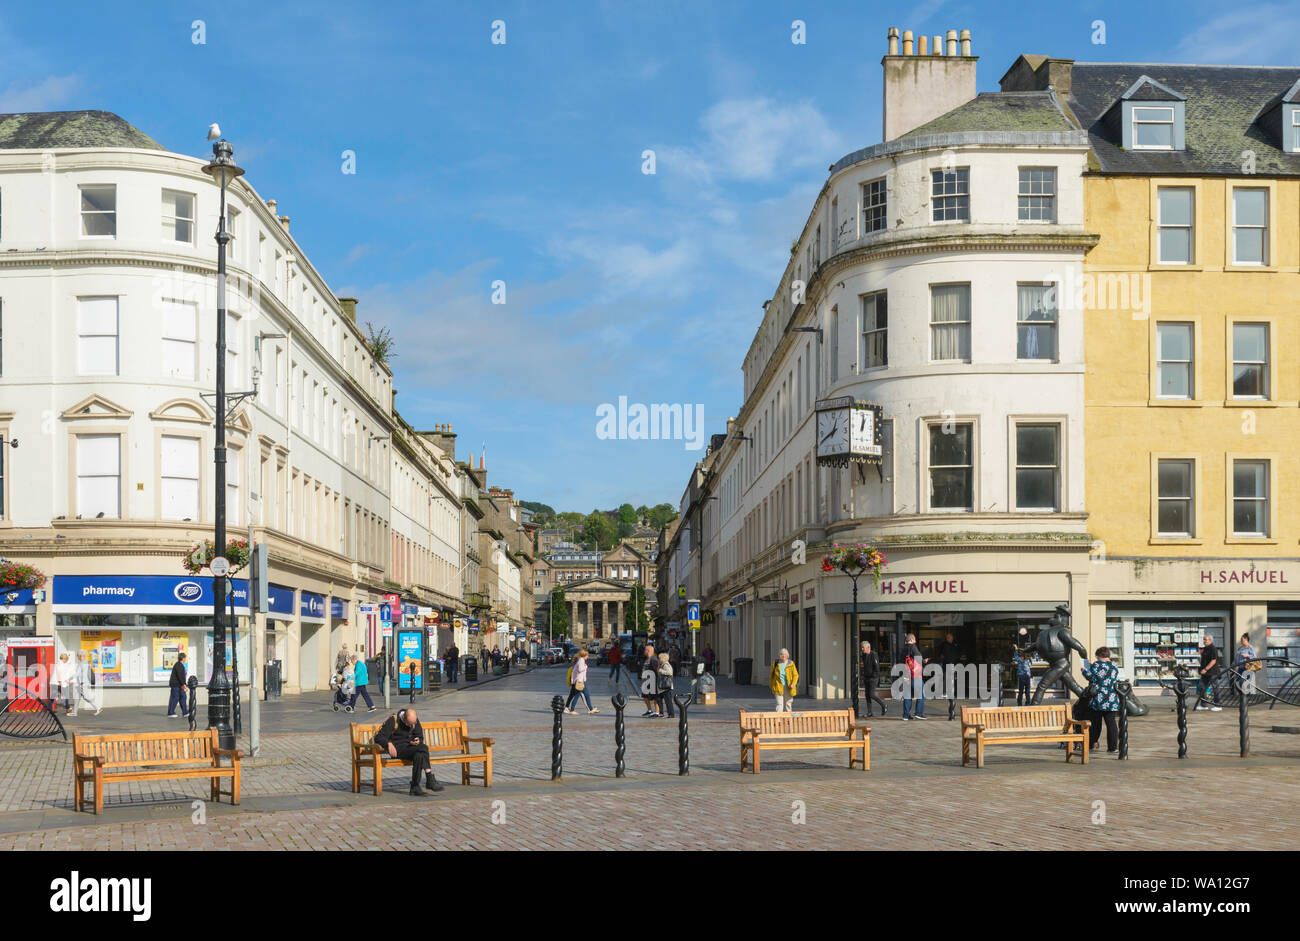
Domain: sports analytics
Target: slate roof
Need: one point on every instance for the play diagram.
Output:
(998, 111)
(53, 130)
(1222, 103)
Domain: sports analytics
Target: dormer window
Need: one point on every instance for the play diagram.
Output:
(1152, 117)
(1295, 130)
(1153, 128)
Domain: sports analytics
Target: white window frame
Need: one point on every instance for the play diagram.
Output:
(167, 473)
(1161, 225)
(1043, 190)
(116, 335)
(1263, 229)
(1189, 364)
(83, 212)
(86, 470)
(1138, 109)
(172, 220)
(171, 341)
(870, 328)
(1017, 466)
(1264, 501)
(930, 427)
(1266, 363)
(1189, 499)
(970, 314)
(1054, 322)
(874, 209)
(956, 198)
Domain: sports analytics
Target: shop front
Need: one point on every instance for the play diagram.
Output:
(133, 628)
(18, 612)
(314, 659)
(1156, 613)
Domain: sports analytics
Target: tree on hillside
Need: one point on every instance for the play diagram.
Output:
(626, 520)
(661, 515)
(599, 531)
(642, 512)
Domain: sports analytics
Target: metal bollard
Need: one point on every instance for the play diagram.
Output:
(194, 701)
(1180, 708)
(683, 736)
(620, 743)
(1243, 710)
(1125, 689)
(557, 739)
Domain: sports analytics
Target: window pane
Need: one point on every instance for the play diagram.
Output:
(1175, 381)
(1036, 488)
(97, 356)
(178, 359)
(1248, 380)
(1153, 135)
(1248, 246)
(1036, 444)
(1249, 342)
(97, 454)
(97, 315)
(1176, 246)
(950, 302)
(178, 321)
(1174, 341)
(1173, 517)
(180, 498)
(96, 496)
(1175, 479)
(1248, 478)
(950, 488)
(180, 457)
(1175, 205)
(1246, 517)
(952, 447)
(1250, 206)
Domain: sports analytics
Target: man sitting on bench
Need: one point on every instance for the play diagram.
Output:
(403, 737)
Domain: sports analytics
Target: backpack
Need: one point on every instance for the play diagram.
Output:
(913, 668)
(568, 677)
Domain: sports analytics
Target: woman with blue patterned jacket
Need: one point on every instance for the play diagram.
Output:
(1103, 675)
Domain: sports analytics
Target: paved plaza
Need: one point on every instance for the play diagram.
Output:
(297, 795)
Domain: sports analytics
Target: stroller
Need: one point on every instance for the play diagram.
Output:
(343, 687)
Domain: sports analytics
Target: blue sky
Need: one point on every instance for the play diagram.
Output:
(522, 163)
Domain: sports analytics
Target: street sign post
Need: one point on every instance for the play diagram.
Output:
(693, 620)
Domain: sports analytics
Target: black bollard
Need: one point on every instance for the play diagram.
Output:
(683, 736)
(557, 739)
(1125, 689)
(194, 701)
(1243, 710)
(1180, 692)
(620, 743)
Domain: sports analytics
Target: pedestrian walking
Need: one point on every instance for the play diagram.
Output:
(783, 680)
(578, 684)
(708, 656)
(341, 661)
(913, 683)
(176, 687)
(1207, 697)
(1023, 664)
(615, 657)
(64, 678)
(403, 737)
(1244, 659)
(452, 656)
(675, 657)
(86, 686)
(1104, 704)
(650, 683)
(665, 686)
(360, 677)
(870, 670)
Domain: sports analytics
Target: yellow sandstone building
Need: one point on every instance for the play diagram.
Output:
(1191, 307)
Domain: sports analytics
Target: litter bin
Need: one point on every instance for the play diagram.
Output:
(435, 676)
(273, 679)
(744, 670)
(469, 666)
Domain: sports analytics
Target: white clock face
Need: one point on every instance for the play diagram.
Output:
(833, 432)
(862, 436)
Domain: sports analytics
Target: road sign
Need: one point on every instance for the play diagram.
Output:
(386, 628)
(693, 615)
(386, 612)
(220, 566)
(731, 613)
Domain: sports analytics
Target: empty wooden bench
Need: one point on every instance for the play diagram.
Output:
(790, 730)
(1017, 725)
(448, 744)
(151, 756)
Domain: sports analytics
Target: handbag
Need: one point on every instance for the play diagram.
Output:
(1254, 665)
(579, 686)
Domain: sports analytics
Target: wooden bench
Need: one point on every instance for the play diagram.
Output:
(1015, 725)
(838, 729)
(151, 756)
(448, 744)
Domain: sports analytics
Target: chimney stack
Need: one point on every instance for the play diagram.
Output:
(270, 204)
(284, 221)
(919, 88)
(349, 305)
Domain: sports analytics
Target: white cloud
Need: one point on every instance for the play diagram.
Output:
(46, 95)
(1255, 35)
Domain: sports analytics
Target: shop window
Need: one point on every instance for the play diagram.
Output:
(951, 467)
(1250, 498)
(1176, 487)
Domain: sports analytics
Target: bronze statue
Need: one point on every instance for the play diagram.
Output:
(1054, 643)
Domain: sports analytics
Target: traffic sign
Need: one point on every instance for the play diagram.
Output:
(386, 612)
(693, 615)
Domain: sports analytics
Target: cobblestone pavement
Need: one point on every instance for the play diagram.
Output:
(297, 791)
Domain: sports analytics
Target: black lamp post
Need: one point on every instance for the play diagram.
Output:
(853, 641)
(222, 169)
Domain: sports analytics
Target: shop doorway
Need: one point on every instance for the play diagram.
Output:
(810, 645)
(29, 664)
(309, 657)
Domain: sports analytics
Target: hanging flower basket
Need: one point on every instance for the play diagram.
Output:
(856, 559)
(18, 575)
(200, 556)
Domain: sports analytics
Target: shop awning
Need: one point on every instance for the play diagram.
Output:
(969, 607)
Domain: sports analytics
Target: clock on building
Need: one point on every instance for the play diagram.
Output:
(848, 431)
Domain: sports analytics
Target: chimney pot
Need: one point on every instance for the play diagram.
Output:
(965, 42)
(952, 42)
(893, 40)
(938, 46)
(284, 221)
(907, 42)
(923, 46)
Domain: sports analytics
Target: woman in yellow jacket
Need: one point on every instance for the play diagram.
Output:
(784, 679)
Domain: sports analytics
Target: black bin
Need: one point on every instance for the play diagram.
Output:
(274, 680)
(435, 677)
(470, 667)
(744, 670)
